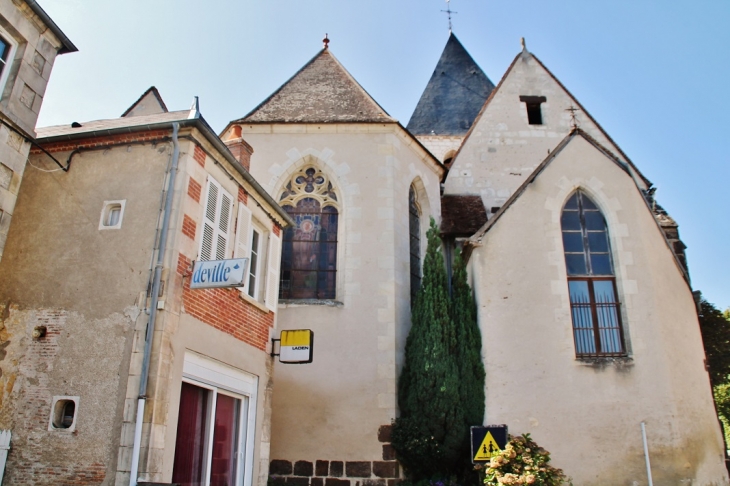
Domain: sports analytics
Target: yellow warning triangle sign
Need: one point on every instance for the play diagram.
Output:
(487, 449)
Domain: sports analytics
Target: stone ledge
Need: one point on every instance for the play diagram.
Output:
(304, 302)
(620, 362)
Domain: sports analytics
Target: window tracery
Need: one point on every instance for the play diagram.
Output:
(309, 256)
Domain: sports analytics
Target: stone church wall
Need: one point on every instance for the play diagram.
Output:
(588, 412)
(341, 400)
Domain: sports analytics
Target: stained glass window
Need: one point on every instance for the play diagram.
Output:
(309, 254)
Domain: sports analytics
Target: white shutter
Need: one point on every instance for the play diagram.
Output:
(243, 239)
(209, 220)
(216, 222)
(224, 223)
(272, 276)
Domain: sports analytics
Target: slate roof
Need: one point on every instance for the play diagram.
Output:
(453, 97)
(320, 92)
(100, 127)
(462, 215)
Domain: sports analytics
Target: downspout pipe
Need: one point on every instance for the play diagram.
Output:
(144, 375)
(646, 453)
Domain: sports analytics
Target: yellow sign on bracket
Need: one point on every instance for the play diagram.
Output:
(487, 449)
(296, 346)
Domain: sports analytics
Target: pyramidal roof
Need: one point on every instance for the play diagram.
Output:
(320, 92)
(453, 97)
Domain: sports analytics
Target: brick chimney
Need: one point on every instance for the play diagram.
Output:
(239, 148)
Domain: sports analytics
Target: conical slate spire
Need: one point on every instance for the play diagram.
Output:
(453, 97)
(320, 92)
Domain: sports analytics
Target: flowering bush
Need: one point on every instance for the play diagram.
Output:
(523, 462)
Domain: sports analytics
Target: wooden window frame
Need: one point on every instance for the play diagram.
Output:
(594, 306)
(597, 309)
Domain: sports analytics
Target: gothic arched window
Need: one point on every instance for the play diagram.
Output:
(594, 306)
(309, 253)
(414, 227)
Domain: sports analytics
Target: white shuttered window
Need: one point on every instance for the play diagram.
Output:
(243, 238)
(272, 275)
(216, 222)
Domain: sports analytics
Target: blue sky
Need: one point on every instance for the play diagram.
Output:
(652, 73)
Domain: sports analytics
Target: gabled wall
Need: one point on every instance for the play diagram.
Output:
(502, 148)
(587, 413)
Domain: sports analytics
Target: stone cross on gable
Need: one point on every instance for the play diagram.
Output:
(573, 119)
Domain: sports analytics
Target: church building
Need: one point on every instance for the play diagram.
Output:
(589, 327)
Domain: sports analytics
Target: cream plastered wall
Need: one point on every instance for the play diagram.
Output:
(502, 148)
(331, 409)
(176, 332)
(84, 283)
(23, 85)
(588, 414)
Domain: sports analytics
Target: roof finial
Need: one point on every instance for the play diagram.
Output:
(573, 119)
(523, 43)
(326, 41)
(449, 12)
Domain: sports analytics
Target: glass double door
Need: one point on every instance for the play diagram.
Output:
(211, 437)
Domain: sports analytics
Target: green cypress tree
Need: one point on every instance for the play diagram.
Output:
(469, 346)
(468, 357)
(428, 436)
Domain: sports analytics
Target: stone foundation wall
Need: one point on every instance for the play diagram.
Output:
(340, 473)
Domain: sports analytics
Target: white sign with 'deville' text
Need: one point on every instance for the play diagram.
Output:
(219, 273)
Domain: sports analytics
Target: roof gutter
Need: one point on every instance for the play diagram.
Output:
(68, 46)
(204, 128)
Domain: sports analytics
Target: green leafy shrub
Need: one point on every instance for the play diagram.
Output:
(523, 462)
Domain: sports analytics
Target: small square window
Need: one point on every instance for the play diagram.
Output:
(64, 411)
(534, 110)
(112, 214)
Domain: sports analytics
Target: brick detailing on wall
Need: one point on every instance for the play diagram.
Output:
(241, 151)
(225, 310)
(276, 229)
(189, 227)
(199, 155)
(62, 474)
(26, 464)
(339, 473)
(242, 195)
(194, 190)
(101, 142)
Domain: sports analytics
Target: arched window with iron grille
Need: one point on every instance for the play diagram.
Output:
(595, 309)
